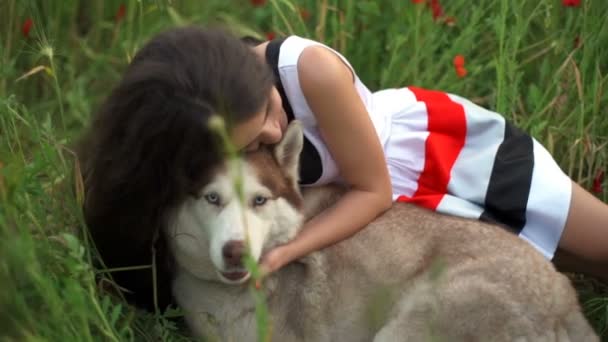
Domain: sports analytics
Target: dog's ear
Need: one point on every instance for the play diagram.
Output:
(287, 151)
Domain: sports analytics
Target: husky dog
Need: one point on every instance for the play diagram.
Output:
(411, 275)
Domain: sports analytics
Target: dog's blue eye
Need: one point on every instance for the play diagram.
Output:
(213, 198)
(259, 200)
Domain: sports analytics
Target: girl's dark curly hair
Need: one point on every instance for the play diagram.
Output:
(148, 147)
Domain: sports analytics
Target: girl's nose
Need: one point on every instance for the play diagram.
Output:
(273, 133)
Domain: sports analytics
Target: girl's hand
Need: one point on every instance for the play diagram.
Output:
(274, 259)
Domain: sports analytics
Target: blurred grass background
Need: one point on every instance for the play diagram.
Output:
(541, 63)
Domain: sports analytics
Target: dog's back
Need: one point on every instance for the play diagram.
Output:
(460, 279)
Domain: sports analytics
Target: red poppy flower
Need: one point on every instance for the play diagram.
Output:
(270, 35)
(27, 27)
(598, 181)
(458, 61)
(257, 3)
(304, 14)
(120, 13)
(436, 8)
(571, 3)
(461, 72)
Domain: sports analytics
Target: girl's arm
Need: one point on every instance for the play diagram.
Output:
(327, 84)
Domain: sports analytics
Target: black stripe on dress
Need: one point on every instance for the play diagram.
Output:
(510, 180)
(311, 167)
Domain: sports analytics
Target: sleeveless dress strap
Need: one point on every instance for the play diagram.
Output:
(311, 167)
(273, 50)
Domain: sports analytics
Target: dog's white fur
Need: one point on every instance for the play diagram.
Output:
(226, 222)
(426, 274)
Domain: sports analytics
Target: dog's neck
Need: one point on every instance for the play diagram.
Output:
(299, 281)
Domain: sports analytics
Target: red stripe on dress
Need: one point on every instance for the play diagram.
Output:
(447, 128)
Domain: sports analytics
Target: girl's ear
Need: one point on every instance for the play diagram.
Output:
(287, 151)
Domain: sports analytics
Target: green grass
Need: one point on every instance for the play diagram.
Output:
(520, 56)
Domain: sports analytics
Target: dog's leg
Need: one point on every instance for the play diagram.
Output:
(575, 327)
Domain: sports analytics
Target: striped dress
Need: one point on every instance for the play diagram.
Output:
(443, 152)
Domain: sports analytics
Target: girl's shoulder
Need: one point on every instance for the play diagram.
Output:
(292, 47)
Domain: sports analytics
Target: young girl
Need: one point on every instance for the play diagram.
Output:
(421, 146)
(149, 148)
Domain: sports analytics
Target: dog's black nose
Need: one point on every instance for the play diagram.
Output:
(233, 252)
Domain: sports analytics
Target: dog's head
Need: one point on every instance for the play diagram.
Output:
(250, 204)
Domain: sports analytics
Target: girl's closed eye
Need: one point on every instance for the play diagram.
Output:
(255, 144)
(265, 127)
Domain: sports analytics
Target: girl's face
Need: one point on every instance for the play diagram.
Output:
(266, 127)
